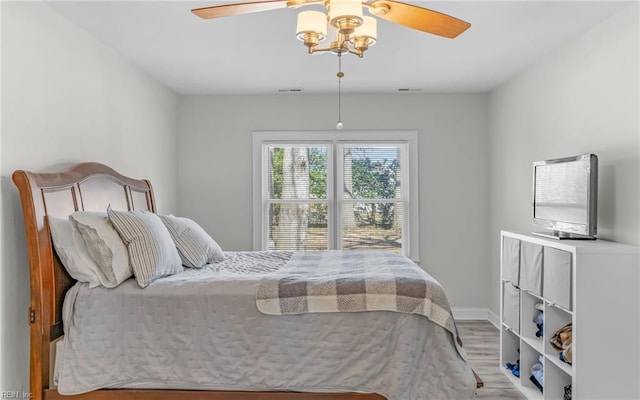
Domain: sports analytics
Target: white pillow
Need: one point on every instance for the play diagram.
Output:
(104, 245)
(195, 246)
(73, 253)
(151, 250)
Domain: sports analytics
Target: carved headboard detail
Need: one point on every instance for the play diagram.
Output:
(84, 187)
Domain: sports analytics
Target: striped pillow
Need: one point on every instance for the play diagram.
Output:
(152, 253)
(195, 246)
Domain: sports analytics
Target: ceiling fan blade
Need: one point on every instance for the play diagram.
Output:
(227, 10)
(418, 18)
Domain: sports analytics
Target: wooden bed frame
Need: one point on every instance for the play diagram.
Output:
(92, 187)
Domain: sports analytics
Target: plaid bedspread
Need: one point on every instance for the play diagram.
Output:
(354, 281)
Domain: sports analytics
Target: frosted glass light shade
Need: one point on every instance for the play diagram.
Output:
(339, 9)
(312, 22)
(367, 30)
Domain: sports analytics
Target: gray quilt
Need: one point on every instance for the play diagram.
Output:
(354, 281)
(200, 329)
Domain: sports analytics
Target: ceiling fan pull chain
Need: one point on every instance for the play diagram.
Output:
(340, 74)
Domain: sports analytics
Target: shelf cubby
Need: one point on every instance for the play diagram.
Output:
(555, 379)
(510, 348)
(528, 313)
(555, 319)
(529, 357)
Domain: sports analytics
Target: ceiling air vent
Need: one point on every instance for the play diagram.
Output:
(291, 90)
(409, 90)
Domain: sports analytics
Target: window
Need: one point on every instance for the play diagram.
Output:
(296, 198)
(336, 190)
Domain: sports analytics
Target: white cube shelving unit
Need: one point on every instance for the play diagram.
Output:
(594, 285)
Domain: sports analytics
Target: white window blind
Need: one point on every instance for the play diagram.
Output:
(372, 196)
(296, 196)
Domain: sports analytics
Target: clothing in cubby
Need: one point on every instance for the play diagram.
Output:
(514, 368)
(537, 372)
(539, 319)
(562, 341)
(567, 392)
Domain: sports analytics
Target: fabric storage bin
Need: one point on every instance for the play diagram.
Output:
(511, 306)
(557, 277)
(531, 267)
(511, 260)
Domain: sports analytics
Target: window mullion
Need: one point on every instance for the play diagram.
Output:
(297, 201)
(265, 195)
(362, 200)
(338, 194)
(331, 194)
(405, 187)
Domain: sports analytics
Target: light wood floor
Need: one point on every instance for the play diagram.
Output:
(482, 342)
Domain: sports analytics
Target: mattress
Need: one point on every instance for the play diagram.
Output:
(200, 329)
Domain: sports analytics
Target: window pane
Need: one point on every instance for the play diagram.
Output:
(371, 172)
(297, 172)
(372, 226)
(298, 226)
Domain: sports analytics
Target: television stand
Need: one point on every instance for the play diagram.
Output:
(564, 235)
(592, 284)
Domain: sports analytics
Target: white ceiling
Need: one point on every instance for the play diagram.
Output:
(259, 54)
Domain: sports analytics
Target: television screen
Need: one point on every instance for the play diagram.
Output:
(564, 194)
(561, 191)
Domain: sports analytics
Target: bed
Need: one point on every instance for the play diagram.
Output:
(93, 187)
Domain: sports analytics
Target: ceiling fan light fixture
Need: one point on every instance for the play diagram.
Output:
(314, 22)
(345, 15)
(365, 35)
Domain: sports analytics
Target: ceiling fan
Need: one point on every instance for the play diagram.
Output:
(354, 33)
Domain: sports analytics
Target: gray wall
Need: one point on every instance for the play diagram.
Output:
(215, 174)
(67, 98)
(582, 98)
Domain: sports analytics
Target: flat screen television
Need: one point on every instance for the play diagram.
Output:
(565, 197)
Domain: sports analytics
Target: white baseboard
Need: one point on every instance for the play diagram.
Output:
(475, 313)
(493, 318)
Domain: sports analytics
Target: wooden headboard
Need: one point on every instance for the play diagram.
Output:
(85, 187)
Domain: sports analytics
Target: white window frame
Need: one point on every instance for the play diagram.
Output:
(411, 221)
